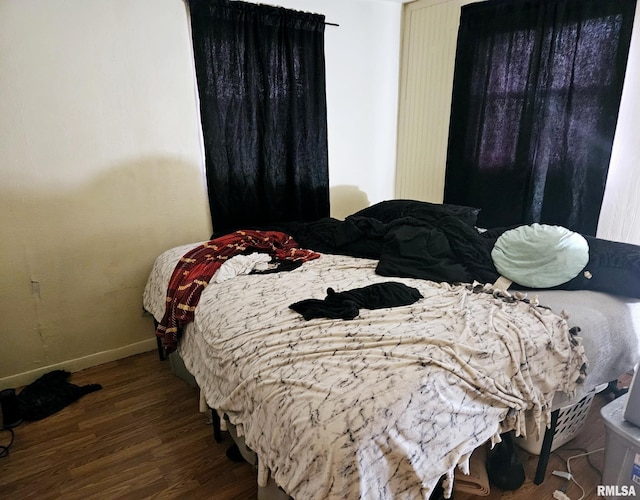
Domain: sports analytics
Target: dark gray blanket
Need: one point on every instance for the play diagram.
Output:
(438, 249)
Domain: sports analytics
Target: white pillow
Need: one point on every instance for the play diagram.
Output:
(540, 255)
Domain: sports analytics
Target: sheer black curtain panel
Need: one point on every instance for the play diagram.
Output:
(261, 84)
(536, 94)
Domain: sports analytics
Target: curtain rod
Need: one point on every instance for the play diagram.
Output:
(326, 24)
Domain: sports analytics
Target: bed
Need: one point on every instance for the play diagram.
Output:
(386, 403)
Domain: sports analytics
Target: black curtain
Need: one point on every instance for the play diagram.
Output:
(536, 93)
(261, 83)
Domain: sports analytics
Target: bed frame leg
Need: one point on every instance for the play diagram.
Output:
(215, 422)
(158, 341)
(545, 452)
(160, 349)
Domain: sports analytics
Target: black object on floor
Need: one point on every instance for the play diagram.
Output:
(50, 394)
(10, 409)
(233, 454)
(503, 467)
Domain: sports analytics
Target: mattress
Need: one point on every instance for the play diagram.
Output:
(221, 358)
(609, 327)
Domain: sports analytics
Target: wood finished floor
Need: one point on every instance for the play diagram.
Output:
(141, 436)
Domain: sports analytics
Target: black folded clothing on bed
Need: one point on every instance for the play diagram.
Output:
(347, 304)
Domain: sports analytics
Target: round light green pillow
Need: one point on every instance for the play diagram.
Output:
(540, 255)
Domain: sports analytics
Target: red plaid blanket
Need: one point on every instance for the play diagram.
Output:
(196, 268)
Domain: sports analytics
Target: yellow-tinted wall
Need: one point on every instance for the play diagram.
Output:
(100, 171)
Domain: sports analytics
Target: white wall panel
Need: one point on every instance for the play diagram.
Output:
(430, 30)
(620, 215)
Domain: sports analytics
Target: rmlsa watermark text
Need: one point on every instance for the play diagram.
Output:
(616, 490)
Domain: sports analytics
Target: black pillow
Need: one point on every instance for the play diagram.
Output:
(387, 211)
(613, 268)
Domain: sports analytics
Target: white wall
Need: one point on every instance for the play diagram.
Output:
(101, 164)
(620, 215)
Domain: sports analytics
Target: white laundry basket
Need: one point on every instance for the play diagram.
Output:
(571, 419)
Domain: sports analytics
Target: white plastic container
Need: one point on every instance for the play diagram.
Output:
(622, 451)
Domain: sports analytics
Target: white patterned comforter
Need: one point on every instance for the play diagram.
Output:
(379, 407)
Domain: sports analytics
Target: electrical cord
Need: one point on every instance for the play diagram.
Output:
(4, 449)
(582, 450)
(560, 494)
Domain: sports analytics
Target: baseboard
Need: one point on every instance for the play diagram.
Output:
(77, 364)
